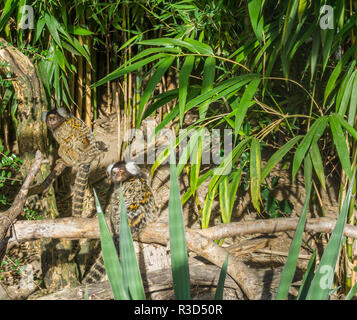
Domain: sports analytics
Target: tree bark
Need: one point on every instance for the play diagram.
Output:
(32, 136)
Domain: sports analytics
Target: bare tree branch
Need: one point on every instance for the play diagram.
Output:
(199, 241)
(8, 216)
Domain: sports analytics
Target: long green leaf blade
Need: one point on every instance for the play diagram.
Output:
(308, 277)
(340, 143)
(222, 277)
(131, 271)
(110, 256)
(290, 265)
(179, 259)
(183, 84)
(322, 282)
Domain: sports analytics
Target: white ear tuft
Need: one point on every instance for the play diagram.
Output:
(62, 112)
(109, 168)
(132, 168)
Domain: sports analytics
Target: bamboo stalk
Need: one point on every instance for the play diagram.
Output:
(88, 92)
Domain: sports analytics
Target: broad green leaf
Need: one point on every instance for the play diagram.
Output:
(312, 136)
(131, 271)
(255, 173)
(201, 179)
(179, 259)
(245, 102)
(196, 156)
(78, 30)
(224, 199)
(342, 87)
(254, 9)
(290, 265)
(352, 131)
(60, 59)
(39, 27)
(301, 9)
(124, 70)
(331, 84)
(315, 52)
(207, 207)
(154, 80)
(353, 103)
(234, 188)
(10, 6)
(110, 256)
(339, 140)
(327, 40)
(184, 77)
(317, 163)
(209, 71)
(189, 44)
(342, 108)
(51, 25)
(323, 280)
(278, 155)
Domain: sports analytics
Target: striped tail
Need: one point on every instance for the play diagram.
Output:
(97, 272)
(80, 184)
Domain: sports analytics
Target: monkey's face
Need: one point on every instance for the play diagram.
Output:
(54, 118)
(120, 174)
(122, 171)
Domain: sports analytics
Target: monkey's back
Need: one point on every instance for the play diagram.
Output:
(139, 203)
(141, 210)
(76, 141)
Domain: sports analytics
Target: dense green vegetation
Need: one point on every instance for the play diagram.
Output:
(281, 76)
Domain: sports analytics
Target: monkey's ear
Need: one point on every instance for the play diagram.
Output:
(44, 116)
(132, 168)
(109, 168)
(62, 112)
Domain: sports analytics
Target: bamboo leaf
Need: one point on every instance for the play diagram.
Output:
(51, 25)
(245, 102)
(353, 103)
(209, 70)
(224, 200)
(322, 282)
(189, 44)
(331, 84)
(154, 80)
(290, 265)
(255, 173)
(317, 163)
(184, 77)
(278, 155)
(339, 140)
(127, 69)
(10, 6)
(312, 136)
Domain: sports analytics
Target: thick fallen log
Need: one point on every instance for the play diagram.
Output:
(79, 228)
(157, 285)
(198, 241)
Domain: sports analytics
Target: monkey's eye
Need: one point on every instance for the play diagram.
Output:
(115, 170)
